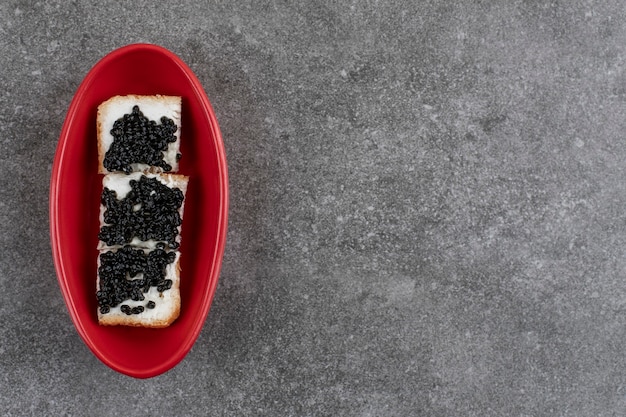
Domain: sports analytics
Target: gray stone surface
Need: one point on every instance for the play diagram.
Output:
(428, 208)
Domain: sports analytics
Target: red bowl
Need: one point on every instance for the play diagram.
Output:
(75, 188)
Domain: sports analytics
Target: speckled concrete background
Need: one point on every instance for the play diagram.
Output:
(428, 208)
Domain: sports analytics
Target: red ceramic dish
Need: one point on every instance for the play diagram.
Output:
(75, 189)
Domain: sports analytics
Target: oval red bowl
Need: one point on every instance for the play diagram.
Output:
(75, 188)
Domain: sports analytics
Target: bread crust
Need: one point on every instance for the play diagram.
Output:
(115, 107)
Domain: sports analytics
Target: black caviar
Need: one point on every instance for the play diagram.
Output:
(136, 139)
(149, 211)
(117, 273)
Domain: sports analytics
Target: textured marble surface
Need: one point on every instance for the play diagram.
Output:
(427, 202)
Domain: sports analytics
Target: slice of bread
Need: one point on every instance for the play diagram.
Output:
(122, 157)
(121, 185)
(153, 308)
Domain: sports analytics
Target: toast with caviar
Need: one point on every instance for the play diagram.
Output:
(141, 210)
(139, 133)
(138, 287)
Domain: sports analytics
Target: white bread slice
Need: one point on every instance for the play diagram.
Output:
(166, 304)
(120, 183)
(153, 107)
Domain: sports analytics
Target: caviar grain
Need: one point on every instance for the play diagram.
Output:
(118, 283)
(137, 310)
(149, 211)
(136, 139)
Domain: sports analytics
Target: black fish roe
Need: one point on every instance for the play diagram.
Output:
(149, 211)
(117, 274)
(136, 139)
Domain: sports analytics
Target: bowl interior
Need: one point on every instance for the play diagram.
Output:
(75, 200)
